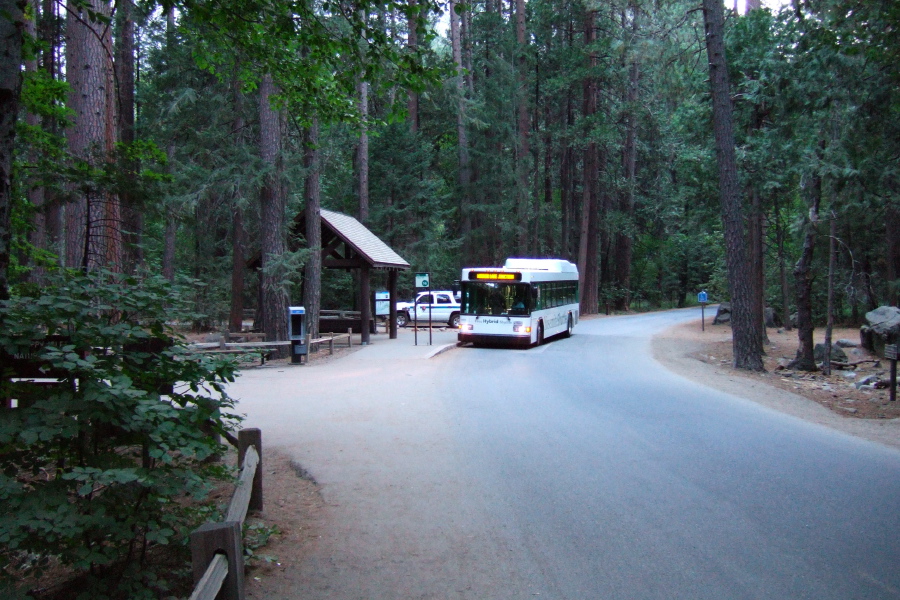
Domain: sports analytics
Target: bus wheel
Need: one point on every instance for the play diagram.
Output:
(540, 334)
(570, 327)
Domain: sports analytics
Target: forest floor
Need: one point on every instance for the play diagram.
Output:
(295, 508)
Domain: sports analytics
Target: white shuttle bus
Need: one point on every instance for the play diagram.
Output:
(520, 304)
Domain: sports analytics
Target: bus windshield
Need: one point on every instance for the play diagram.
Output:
(490, 298)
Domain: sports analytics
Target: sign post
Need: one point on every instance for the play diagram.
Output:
(890, 353)
(423, 281)
(702, 299)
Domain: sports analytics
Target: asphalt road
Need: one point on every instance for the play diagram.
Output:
(579, 469)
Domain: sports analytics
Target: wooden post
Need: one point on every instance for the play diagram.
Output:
(220, 538)
(392, 309)
(247, 438)
(365, 303)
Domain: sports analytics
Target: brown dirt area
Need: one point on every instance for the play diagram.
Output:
(834, 400)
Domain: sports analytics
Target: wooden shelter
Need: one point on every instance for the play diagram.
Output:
(348, 244)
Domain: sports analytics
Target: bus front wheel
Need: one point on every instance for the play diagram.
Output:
(540, 334)
(570, 327)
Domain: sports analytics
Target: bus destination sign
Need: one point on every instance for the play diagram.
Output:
(494, 276)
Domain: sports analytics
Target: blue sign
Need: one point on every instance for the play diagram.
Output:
(701, 297)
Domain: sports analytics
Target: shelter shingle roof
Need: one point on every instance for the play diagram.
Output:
(378, 254)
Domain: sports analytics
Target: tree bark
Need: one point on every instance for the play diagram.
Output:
(746, 342)
(362, 154)
(785, 289)
(171, 231)
(132, 215)
(523, 119)
(829, 326)
(51, 35)
(93, 227)
(272, 208)
(238, 232)
(462, 139)
(412, 42)
(587, 249)
(624, 243)
(312, 277)
(12, 27)
(757, 256)
(38, 236)
(805, 359)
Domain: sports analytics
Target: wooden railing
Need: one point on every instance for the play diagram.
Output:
(329, 339)
(217, 549)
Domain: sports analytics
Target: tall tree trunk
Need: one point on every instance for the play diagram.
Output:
(362, 154)
(132, 215)
(171, 231)
(566, 191)
(462, 138)
(624, 243)
(466, 35)
(51, 35)
(312, 277)
(746, 342)
(829, 326)
(12, 27)
(523, 151)
(757, 256)
(782, 269)
(805, 359)
(238, 232)
(272, 207)
(587, 249)
(93, 228)
(412, 41)
(362, 163)
(38, 235)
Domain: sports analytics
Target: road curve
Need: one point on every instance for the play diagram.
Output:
(579, 469)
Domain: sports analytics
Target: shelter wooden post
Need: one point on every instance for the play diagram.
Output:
(392, 313)
(365, 303)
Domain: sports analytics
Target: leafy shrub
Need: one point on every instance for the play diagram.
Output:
(106, 462)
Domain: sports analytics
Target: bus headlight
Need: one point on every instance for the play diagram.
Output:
(465, 327)
(519, 327)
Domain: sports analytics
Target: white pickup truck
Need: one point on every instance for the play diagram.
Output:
(443, 305)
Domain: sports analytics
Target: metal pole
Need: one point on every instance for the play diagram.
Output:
(703, 317)
(416, 319)
(429, 311)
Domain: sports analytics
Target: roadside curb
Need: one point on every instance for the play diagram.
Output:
(441, 350)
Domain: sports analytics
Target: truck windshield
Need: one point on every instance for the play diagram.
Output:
(484, 298)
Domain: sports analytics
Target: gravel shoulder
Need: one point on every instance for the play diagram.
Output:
(834, 401)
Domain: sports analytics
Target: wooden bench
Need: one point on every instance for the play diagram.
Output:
(264, 349)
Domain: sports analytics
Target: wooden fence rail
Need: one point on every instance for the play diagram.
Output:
(217, 549)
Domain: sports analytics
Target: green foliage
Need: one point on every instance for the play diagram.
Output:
(104, 462)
